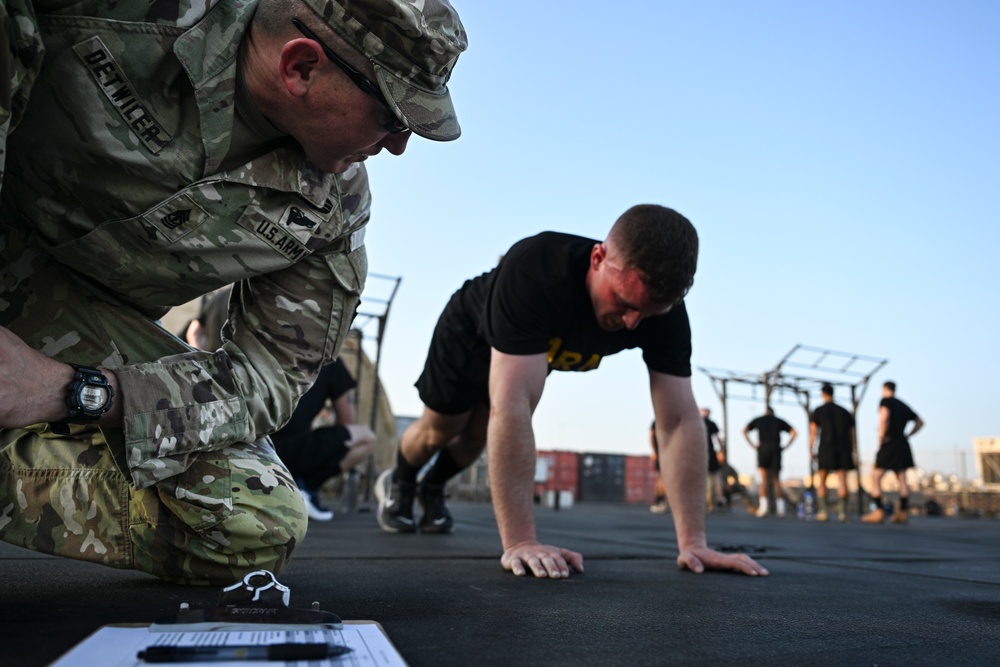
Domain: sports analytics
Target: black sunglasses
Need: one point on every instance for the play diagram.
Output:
(359, 79)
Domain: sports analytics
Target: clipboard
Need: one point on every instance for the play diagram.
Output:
(252, 612)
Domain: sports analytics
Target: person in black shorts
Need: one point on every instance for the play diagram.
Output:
(715, 496)
(836, 450)
(894, 454)
(314, 455)
(769, 429)
(557, 302)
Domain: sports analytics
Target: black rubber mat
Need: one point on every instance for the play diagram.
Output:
(927, 593)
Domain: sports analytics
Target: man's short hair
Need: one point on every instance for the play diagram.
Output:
(890, 385)
(827, 389)
(662, 245)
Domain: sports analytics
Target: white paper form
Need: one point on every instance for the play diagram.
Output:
(116, 646)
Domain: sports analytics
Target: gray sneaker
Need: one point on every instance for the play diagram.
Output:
(395, 504)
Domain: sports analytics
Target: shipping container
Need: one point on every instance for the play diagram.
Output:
(640, 480)
(602, 477)
(561, 470)
(596, 477)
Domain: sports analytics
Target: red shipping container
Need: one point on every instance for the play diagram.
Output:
(563, 472)
(640, 480)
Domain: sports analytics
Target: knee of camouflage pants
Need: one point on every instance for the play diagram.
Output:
(231, 512)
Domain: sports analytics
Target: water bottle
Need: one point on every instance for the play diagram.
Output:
(349, 498)
(809, 503)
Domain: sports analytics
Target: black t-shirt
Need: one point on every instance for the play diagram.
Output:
(834, 424)
(711, 428)
(899, 415)
(536, 301)
(769, 429)
(334, 381)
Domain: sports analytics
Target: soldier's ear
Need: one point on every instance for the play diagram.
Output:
(597, 255)
(298, 64)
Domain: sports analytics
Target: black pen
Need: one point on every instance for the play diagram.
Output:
(287, 652)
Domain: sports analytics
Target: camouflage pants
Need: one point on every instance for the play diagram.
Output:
(231, 511)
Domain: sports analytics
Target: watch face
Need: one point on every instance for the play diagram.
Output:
(93, 397)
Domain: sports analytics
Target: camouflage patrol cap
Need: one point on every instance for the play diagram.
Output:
(413, 45)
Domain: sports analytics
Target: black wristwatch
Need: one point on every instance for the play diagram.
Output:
(88, 395)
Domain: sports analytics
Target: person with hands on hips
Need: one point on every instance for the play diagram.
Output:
(557, 302)
(894, 454)
(769, 429)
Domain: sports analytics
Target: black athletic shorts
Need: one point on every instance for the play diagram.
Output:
(894, 455)
(315, 457)
(769, 457)
(834, 457)
(456, 375)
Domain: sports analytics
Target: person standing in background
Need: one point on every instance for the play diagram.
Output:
(714, 494)
(894, 454)
(769, 429)
(835, 427)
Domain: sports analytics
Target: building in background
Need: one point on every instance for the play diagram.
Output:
(987, 453)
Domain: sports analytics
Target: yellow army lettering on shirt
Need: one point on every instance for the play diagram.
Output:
(116, 87)
(565, 360)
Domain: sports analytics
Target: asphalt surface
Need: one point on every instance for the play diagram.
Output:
(927, 593)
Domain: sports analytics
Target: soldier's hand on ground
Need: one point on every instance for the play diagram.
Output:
(702, 558)
(542, 560)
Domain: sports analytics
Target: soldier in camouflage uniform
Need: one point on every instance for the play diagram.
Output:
(156, 151)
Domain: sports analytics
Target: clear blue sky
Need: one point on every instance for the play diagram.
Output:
(841, 161)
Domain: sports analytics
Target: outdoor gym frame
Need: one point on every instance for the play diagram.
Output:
(376, 312)
(802, 373)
